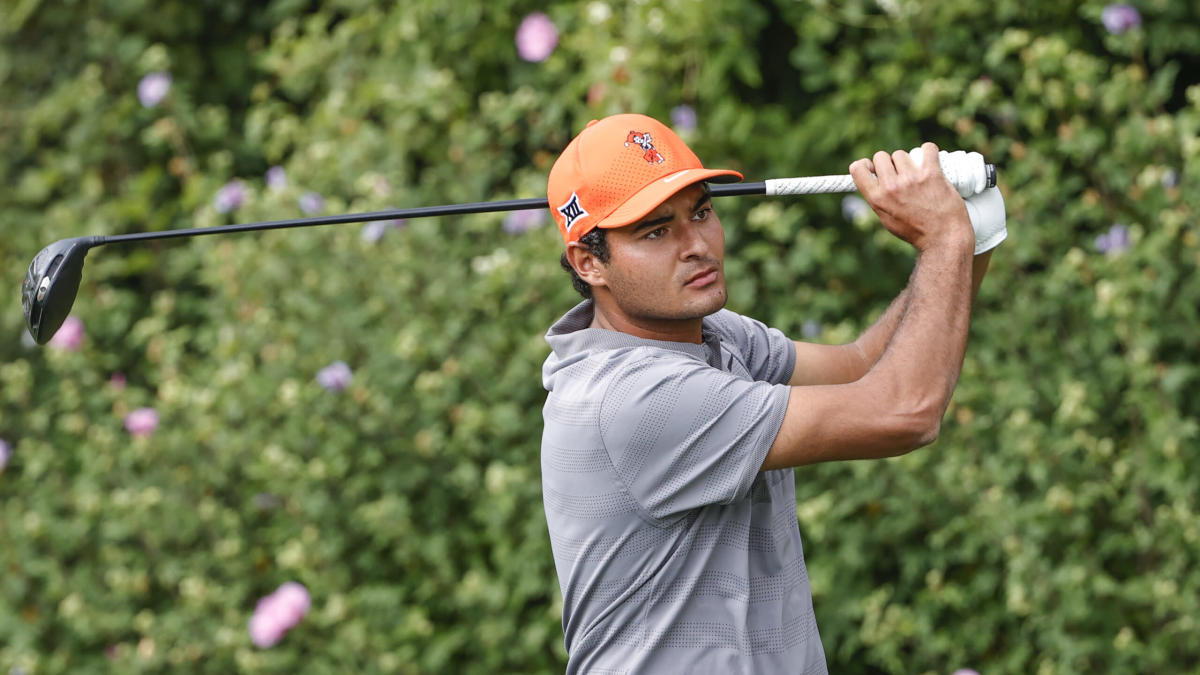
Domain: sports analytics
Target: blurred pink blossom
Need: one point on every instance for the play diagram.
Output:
(683, 118)
(965, 671)
(311, 202)
(295, 596)
(520, 222)
(117, 381)
(372, 232)
(276, 178)
(230, 196)
(336, 376)
(278, 613)
(1115, 241)
(5, 453)
(537, 37)
(1120, 17)
(69, 336)
(142, 422)
(153, 88)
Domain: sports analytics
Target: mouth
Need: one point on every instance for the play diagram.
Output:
(704, 277)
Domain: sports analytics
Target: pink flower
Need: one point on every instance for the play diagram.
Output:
(142, 422)
(69, 336)
(276, 178)
(536, 37)
(294, 596)
(278, 613)
(336, 376)
(230, 196)
(1119, 18)
(373, 231)
(683, 118)
(153, 88)
(311, 202)
(520, 222)
(5, 453)
(965, 671)
(266, 626)
(1115, 241)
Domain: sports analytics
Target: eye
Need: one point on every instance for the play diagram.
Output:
(702, 214)
(656, 233)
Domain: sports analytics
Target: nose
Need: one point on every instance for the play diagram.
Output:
(693, 244)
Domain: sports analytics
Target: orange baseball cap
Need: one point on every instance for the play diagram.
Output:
(619, 169)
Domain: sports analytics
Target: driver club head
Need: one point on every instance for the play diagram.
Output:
(51, 284)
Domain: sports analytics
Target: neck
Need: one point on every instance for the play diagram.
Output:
(606, 316)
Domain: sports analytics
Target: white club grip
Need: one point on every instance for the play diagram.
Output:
(810, 185)
(966, 171)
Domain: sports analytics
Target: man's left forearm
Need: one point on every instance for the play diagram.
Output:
(874, 340)
(978, 269)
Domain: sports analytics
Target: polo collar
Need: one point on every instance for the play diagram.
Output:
(573, 334)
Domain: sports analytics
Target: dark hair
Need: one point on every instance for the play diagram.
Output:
(597, 244)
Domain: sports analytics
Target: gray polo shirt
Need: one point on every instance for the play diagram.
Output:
(675, 554)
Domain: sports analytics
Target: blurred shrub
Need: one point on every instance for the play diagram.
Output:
(1052, 529)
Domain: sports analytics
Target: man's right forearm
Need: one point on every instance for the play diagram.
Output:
(922, 361)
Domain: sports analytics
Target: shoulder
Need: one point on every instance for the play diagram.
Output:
(735, 327)
(596, 370)
(725, 321)
(764, 352)
(740, 334)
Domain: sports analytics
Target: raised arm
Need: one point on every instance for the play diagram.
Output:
(898, 403)
(840, 364)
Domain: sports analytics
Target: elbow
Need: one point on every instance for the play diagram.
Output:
(905, 417)
(917, 428)
(928, 433)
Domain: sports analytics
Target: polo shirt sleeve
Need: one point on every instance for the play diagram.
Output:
(681, 434)
(766, 353)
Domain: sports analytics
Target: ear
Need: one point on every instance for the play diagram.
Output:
(587, 266)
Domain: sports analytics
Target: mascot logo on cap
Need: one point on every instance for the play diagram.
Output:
(643, 140)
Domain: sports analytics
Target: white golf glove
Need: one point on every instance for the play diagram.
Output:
(986, 210)
(985, 207)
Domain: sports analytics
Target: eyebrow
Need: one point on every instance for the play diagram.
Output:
(704, 198)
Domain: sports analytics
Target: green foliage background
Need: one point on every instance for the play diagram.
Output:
(1052, 529)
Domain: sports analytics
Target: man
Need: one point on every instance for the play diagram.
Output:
(672, 424)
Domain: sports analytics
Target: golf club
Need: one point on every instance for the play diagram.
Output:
(52, 280)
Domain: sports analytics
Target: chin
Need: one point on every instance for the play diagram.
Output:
(710, 304)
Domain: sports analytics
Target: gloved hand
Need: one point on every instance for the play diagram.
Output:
(986, 210)
(985, 207)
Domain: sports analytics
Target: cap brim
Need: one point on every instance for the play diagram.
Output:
(650, 197)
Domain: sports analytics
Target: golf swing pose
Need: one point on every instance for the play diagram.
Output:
(672, 424)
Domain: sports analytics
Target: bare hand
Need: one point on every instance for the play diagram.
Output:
(914, 202)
